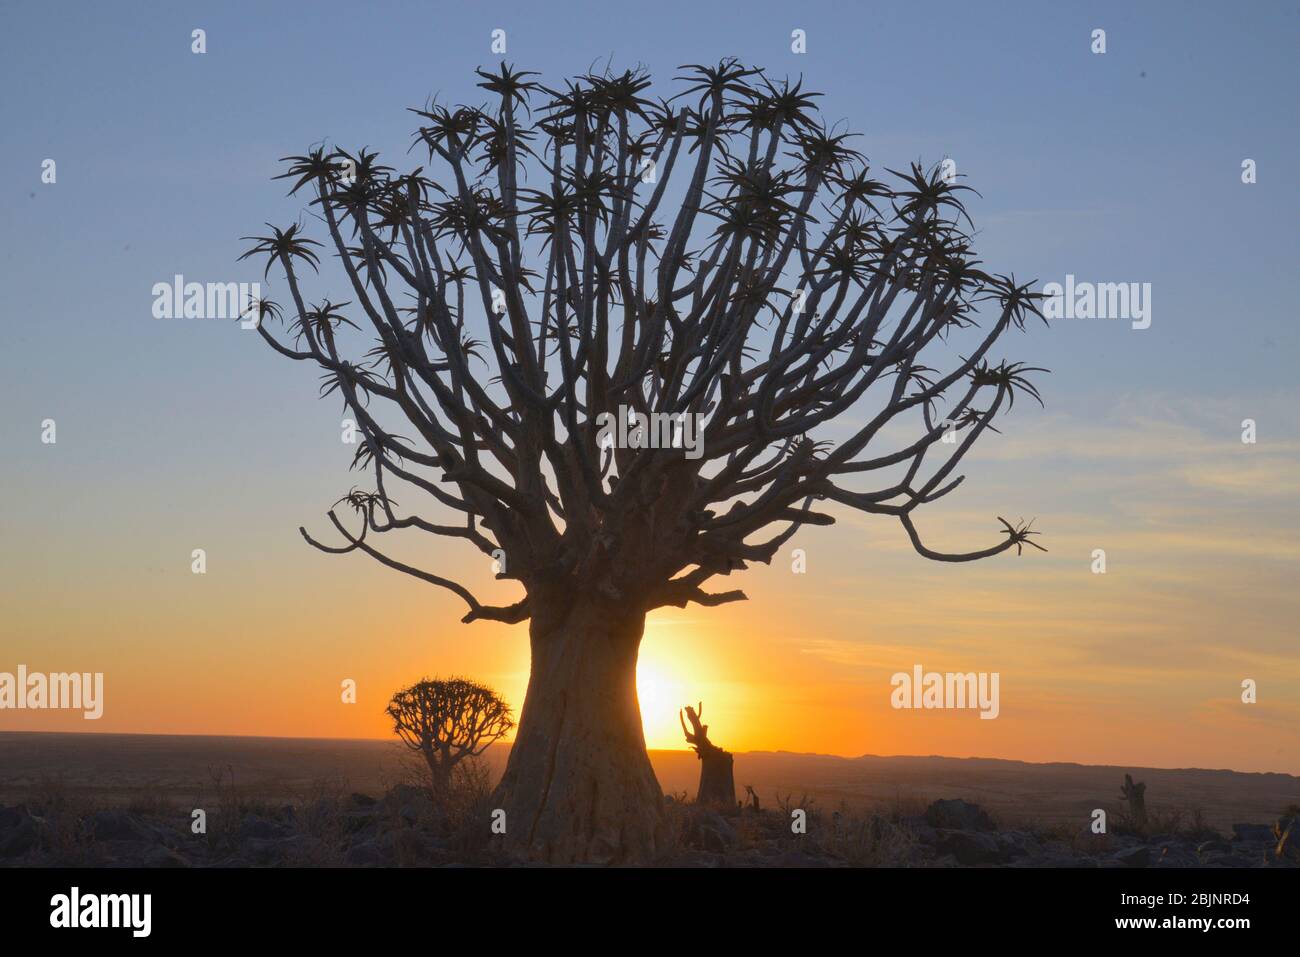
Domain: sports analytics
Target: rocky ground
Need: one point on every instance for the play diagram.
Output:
(956, 833)
(403, 828)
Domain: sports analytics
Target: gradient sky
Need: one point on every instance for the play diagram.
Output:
(1123, 167)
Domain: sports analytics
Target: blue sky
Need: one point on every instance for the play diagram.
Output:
(1122, 167)
(1085, 164)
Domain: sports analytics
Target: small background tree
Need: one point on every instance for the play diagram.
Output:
(448, 721)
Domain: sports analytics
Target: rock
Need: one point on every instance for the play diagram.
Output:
(400, 794)
(409, 802)
(117, 825)
(1057, 859)
(970, 847)
(1252, 832)
(1018, 844)
(260, 828)
(916, 825)
(363, 800)
(797, 858)
(158, 856)
(410, 847)
(307, 849)
(18, 832)
(263, 851)
(708, 831)
(367, 854)
(1220, 859)
(362, 820)
(925, 834)
(1213, 847)
(698, 859)
(317, 816)
(958, 815)
(1139, 856)
(1175, 855)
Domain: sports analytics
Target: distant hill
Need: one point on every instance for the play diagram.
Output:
(106, 769)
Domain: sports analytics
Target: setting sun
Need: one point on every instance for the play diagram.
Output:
(661, 692)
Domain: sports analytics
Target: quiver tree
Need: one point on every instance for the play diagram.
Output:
(446, 722)
(717, 778)
(577, 257)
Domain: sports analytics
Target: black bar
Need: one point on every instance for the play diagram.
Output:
(214, 906)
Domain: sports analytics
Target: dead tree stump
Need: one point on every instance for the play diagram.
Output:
(1135, 795)
(717, 778)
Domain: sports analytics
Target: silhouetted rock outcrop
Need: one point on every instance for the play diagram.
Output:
(958, 814)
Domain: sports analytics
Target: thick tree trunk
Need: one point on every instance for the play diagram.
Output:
(579, 786)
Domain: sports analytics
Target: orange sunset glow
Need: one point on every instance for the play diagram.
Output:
(1130, 667)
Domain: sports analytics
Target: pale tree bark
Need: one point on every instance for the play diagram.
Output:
(579, 785)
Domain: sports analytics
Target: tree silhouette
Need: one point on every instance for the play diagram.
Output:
(717, 776)
(721, 260)
(1136, 796)
(446, 721)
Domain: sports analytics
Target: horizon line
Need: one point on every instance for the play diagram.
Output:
(811, 754)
